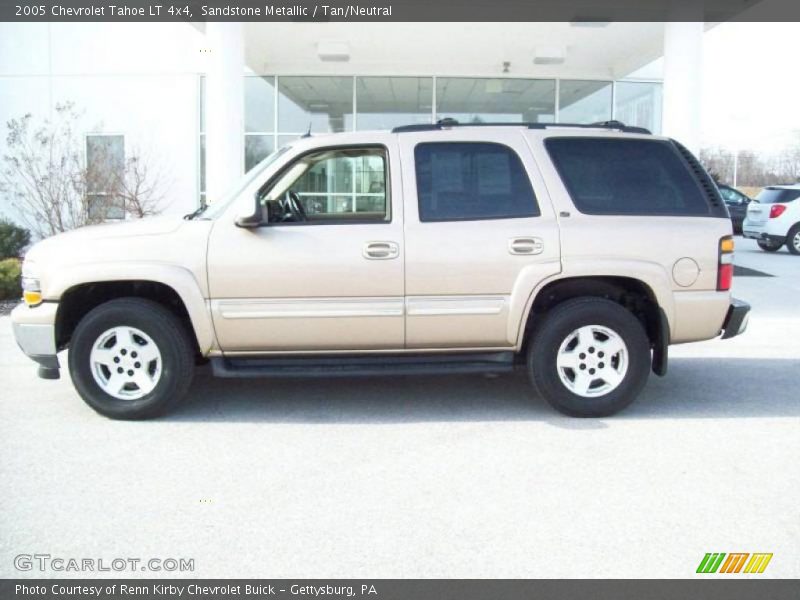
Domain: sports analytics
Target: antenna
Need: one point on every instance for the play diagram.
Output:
(308, 132)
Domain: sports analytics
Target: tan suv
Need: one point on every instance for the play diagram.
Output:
(580, 252)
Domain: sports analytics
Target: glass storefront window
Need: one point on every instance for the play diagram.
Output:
(259, 104)
(256, 149)
(326, 104)
(323, 103)
(283, 140)
(584, 101)
(639, 103)
(387, 102)
(202, 168)
(501, 100)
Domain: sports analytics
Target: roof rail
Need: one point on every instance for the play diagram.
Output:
(448, 123)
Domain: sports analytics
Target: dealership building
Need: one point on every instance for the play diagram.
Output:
(206, 102)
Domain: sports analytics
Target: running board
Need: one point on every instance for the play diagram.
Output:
(363, 366)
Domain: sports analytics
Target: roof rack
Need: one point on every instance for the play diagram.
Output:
(448, 123)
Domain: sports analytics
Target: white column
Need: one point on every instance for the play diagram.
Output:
(224, 108)
(683, 82)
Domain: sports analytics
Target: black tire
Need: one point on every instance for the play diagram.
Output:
(165, 330)
(793, 240)
(768, 246)
(557, 325)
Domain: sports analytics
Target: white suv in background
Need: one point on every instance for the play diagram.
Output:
(773, 218)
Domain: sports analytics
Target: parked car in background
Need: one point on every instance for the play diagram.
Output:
(737, 204)
(773, 218)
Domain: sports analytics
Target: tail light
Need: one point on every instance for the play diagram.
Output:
(776, 210)
(725, 267)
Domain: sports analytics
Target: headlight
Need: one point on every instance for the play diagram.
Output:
(31, 291)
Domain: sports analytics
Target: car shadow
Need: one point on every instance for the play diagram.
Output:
(693, 388)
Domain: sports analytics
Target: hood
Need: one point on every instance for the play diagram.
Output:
(146, 226)
(91, 243)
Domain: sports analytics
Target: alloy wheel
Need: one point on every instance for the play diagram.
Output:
(126, 363)
(592, 361)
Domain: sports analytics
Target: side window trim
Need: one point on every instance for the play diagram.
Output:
(267, 186)
(535, 210)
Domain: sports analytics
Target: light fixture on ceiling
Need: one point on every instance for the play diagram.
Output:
(549, 55)
(332, 51)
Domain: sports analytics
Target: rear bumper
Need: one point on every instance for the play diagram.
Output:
(736, 320)
(763, 236)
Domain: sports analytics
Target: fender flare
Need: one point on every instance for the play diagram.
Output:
(179, 279)
(648, 273)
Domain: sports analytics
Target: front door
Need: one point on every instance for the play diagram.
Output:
(480, 235)
(326, 273)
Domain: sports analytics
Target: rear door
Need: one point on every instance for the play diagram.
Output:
(480, 234)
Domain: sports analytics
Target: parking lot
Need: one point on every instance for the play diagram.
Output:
(424, 477)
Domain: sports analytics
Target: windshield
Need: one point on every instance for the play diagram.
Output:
(212, 211)
(773, 195)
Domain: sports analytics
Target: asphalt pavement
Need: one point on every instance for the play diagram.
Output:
(456, 477)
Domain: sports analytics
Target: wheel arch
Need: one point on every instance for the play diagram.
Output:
(173, 287)
(632, 293)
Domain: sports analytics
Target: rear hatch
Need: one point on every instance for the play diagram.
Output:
(758, 210)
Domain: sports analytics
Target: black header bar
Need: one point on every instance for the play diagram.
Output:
(585, 13)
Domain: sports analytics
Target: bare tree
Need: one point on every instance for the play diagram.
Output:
(753, 169)
(44, 176)
(140, 188)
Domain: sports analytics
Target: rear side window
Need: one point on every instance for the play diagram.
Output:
(626, 177)
(470, 181)
(773, 195)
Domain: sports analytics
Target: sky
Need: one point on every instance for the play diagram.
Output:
(751, 86)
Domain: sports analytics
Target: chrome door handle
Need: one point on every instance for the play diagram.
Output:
(381, 250)
(525, 245)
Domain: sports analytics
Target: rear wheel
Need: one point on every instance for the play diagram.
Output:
(131, 358)
(793, 240)
(590, 357)
(768, 246)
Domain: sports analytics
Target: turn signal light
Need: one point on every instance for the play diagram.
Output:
(776, 210)
(32, 298)
(725, 266)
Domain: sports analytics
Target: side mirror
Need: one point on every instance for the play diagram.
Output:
(259, 217)
(250, 221)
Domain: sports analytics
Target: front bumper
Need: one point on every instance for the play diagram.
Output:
(736, 320)
(35, 332)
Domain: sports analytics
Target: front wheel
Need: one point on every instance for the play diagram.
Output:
(589, 357)
(131, 358)
(768, 246)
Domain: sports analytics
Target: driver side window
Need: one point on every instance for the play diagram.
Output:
(730, 197)
(341, 185)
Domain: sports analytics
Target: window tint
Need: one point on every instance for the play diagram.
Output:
(470, 181)
(626, 177)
